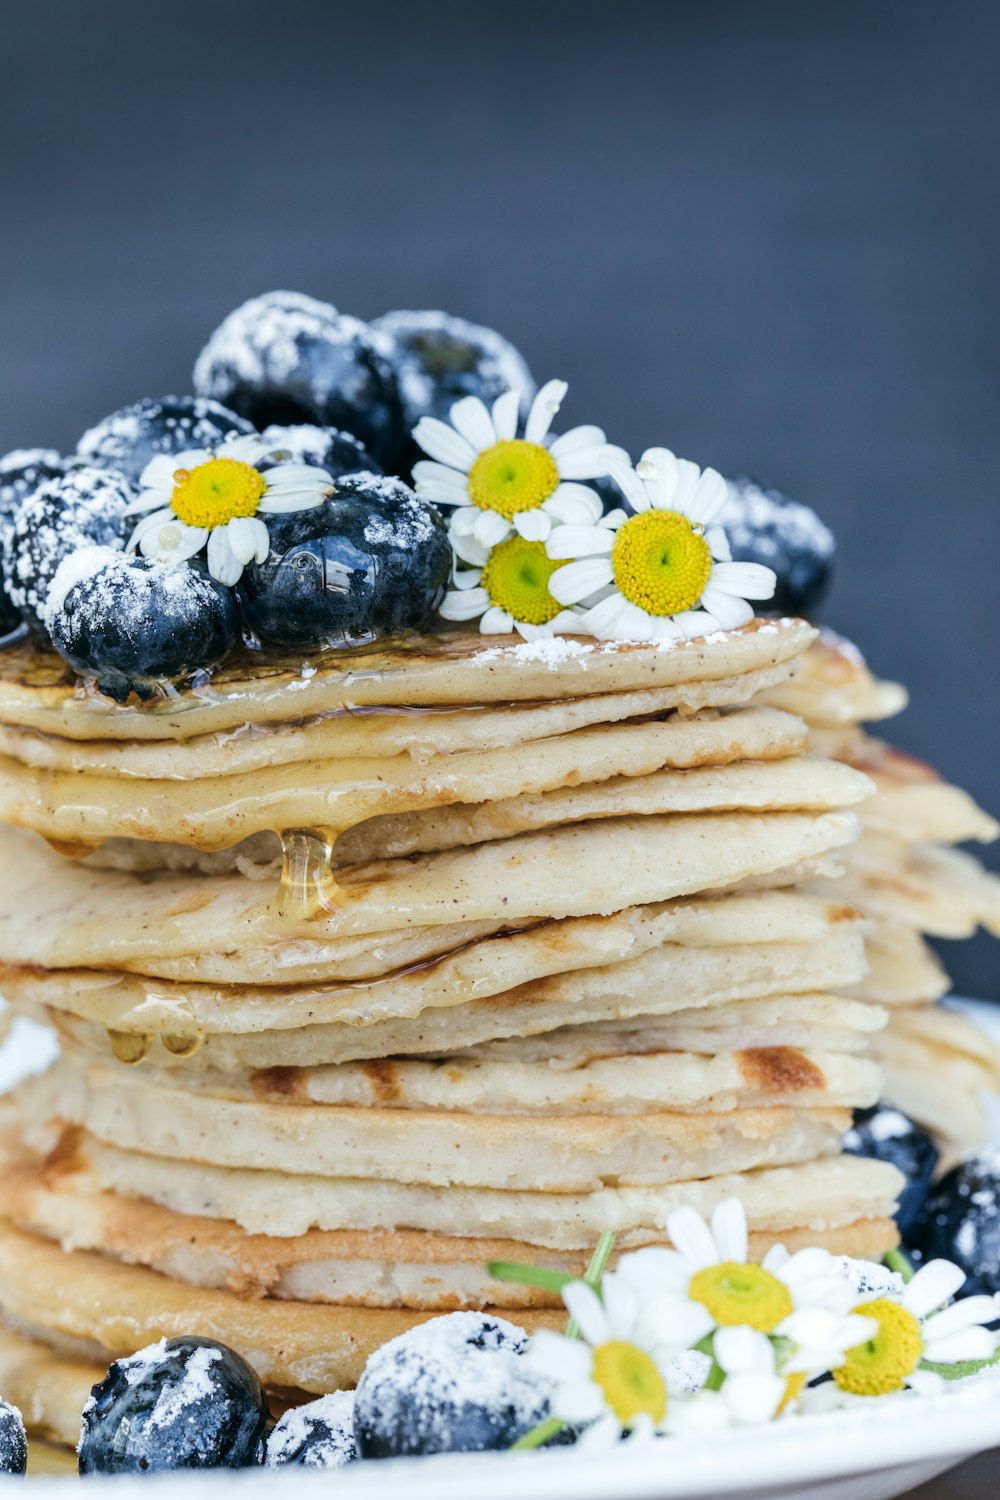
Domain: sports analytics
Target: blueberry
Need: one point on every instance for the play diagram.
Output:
(438, 359)
(372, 561)
(960, 1221)
(886, 1134)
(456, 1384)
(13, 1441)
(133, 624)
(186, 1403)
(21, 473)
(317, 1436)
(81, 508)
(323, 447)
(287, 359)
(765, 527)
(128, 439)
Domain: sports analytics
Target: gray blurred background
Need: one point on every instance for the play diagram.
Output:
(761, 232)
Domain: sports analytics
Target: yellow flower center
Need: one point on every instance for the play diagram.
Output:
(661, 562)
(883, 1363)
(630, 1381)
(516, 577)
(216, 492)
(793, 1389)
(513, 476)
(735, 1293)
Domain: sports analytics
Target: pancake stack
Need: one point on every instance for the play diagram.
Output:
(910, 880)
(369, 972)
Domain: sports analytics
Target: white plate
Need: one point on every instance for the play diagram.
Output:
(867, 1453)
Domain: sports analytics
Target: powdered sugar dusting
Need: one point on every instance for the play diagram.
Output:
(549, 651)
(195, 1384)
(326, 1425)
(768, 522)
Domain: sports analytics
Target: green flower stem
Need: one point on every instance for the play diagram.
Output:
(538, 1435)
(594, 1272)
(540, 1276)
(898, 1260)
(716, 1375)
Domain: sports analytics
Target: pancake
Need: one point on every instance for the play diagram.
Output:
(822, 1194)
(49, 1390)
(38, 691)
(902, 969)
(216, 811)
(517, 1152)
(108, 1309)
(657, 984)
(421, 1271)
(832, 686)
(944, 892)
(477, 970)
(108, 919)
(938, 1067)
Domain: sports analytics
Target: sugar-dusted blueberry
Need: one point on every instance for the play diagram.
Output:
(457, 1384)
(317, 1436)
(128, 439)
(284, 358)
(322, 447)
(960, 1221)
(13, 1440)
(82, 508)
(766, 527)
(22, 471)
(439, 358)
(133, 624)
(184, 1403)
(886, 1134)
(372, 561)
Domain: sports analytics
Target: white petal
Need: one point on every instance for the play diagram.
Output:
(298, 476)
(490, 528)
(586, 1307)
(283, 502)
(463, 520)
(468, 550)
(718, 544)
(657, 468)
(496, 621)
(694, 623)
(602, 1434)
(741, 1351)
(601, 620)
(692, 1237)
(505, 413)
(149, 523)
(621, 1305)
(149, 500)
(746, 579)
(559, 1357)
(730, 611)
(575, 439)
(628, 482)
(574, 504)
(470, 418)
(533, 525)
(442, 442)
(688, 475)
(190, 540)
(543, 410)
(159, 472)
(754, 1398)
(464, 604)
(664, 629)
(708, 499)
(964, 1343)
(933, 1285)
(962, 1314)
(676, 1323)
(246, 448)
(579, 1400)
(248, 539)
(580, 541)
(223, 564)
(584, 463)
(467, 580)
(426, 471)
(925, 1382)
(578, 580)
(729, 1230)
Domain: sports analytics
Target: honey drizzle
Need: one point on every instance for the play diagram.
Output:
(130, 1047)
(307, 886)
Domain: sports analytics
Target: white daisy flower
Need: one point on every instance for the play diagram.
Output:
(664, 572)
(613, 1379)
(214, 498)
(751, 1392)
(498, 484)
(510, 593)
(918, 1327)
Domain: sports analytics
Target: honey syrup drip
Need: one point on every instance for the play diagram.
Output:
(307, 886)
(180, 1044)
(130, 1047)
